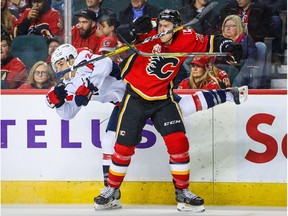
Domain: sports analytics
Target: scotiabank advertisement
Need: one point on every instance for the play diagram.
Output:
(228, 143)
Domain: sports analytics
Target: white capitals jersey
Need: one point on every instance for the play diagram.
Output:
(104, 74)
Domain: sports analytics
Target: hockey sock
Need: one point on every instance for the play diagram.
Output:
(120, 162)
(178, 149)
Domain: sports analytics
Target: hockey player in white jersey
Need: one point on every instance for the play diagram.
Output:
(100, 81)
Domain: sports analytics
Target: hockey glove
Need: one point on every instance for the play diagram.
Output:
(141, 25)
(234, 48)
(56, 96)
(84, 93)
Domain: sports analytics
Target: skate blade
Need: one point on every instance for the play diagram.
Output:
(243, 94)
(183, 207)
(115, 204)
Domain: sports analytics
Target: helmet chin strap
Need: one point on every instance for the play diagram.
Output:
(70, 72)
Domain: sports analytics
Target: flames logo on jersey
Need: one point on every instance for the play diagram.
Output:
(162, 67)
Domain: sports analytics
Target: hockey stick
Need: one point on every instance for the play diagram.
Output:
(204, 12)
(171, 54)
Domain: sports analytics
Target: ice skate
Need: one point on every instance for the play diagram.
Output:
(240, 94)
(189, 202)
(108, 199)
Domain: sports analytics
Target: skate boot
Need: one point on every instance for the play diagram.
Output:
(240, 94)
(108, 199)
(184, 197)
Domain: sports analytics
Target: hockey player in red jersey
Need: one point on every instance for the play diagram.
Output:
(149, 95)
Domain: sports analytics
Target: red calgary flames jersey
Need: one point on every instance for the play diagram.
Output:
(152, 77)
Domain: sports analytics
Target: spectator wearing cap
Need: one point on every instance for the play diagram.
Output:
(201, 76)
(109, 44)
(52, 45)
(84, 32)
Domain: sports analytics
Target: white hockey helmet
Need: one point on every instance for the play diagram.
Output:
(64, 51)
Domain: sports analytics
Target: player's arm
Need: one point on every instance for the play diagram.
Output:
(63, 102)
(141, 25)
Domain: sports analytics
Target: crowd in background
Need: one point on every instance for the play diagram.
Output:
(248, 22)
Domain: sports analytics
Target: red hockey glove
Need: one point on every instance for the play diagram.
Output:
(84, 93)
(56, 96)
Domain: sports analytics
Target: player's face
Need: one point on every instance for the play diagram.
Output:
(197, 71)
(163, 26)
(63, 65)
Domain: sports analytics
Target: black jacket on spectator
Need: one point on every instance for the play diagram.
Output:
(211, 23)
(260, 23)
(126, 14)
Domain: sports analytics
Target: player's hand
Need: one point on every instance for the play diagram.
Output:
(141, 25)
(84, 93)
(56, 96)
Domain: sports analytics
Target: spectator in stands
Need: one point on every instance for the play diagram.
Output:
(59, 6)
(13, 71)
(276, 7)
(109, 44)
(40, 77)
(247, 72)
(40, 19)
(17, 7)
(109, 25)
(52, 45)
(8, 20)
(256, 18)
(84, 33)
(190, 10)
(221, 75)
(136, 9)
(95, 5)
(201, 76)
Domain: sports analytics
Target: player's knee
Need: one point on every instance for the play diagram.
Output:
(124, 150)
(177, 143)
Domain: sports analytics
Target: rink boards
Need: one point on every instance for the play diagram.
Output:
(238, 154)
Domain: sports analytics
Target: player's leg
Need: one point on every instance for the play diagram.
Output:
(131, 121)
(168, 122)
(206, 99)
(108, 142)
